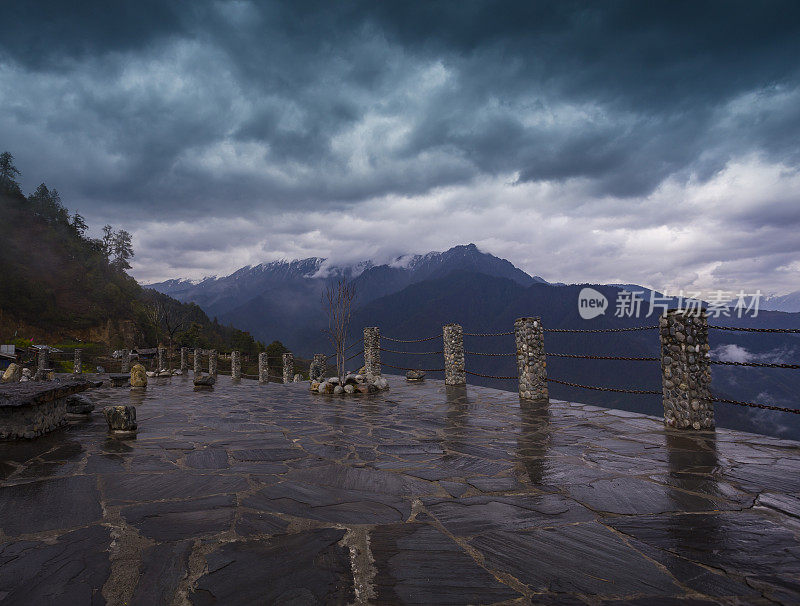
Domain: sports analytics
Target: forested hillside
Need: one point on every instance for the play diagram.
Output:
(58, 284)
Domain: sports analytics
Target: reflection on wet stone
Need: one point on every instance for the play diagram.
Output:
(262, 493)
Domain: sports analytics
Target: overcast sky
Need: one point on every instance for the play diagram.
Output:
(655, 143)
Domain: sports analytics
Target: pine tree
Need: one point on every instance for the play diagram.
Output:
(8, 174)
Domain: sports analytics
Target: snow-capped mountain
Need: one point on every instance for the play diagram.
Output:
(270, 299)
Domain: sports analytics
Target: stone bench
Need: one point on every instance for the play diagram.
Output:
(28, 410)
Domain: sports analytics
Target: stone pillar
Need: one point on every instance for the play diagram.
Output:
(125, 365)
(77, 362)
(198, 363)
(236, 365)
(372, 352)
(531, 361)
(453, 336)
(162, 359)
(43, 361)
(212, 362)
(288, 367)
(263, 367)
(318, 366)
(685, 370)
(184, 360)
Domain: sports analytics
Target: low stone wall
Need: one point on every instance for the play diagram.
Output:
(28, 410)
(33, 420)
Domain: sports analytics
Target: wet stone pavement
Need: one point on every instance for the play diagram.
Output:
(426, 494)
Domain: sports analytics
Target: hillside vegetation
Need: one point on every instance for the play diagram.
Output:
(59, 285)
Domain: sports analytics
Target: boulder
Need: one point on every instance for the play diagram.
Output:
(349, 388)
(381, 383)
(334, 380)
(151, 373)
(350, 380)
(314, 385)
(79, 405)
(164, 373)
(205, 380)
(120, 418)
(13, 374)
(26, 373)
(138, 376)
(100, 370)
(337, 389)
(297, 378)
(359, 377)
(415, 375)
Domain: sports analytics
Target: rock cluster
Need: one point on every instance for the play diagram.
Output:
(685, 371)
(297, 378)
(531, 361)
(352, 384)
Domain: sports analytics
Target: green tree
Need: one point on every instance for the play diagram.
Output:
(8, 174)
(122, 248)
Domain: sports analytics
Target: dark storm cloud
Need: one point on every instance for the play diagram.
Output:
(170, 111)
(625, 93)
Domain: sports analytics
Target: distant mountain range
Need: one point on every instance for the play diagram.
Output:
(282, 300)
(788, 303)
(415, 295)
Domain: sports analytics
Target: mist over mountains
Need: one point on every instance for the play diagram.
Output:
(415, 295)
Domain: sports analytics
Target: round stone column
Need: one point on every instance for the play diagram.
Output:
(454, 370)
(162, 359)
(77, 365)
(198, 362)
(212, 362)
(531, 361)
(318, 366)
(184, 360)
(372, 352)
(288, 367)
(125, 364)
(685, 370)
(236, 365)
(263, 367)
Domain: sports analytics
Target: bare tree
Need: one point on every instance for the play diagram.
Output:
(337, 300)
(167, 320)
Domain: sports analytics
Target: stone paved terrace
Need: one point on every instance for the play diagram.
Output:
(257, 494)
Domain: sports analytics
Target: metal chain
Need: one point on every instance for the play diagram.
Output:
(421, 369)
(412, 340)
(478, 353)
(756, 364)
(754, 405)
(477, 374)
(637, 391)
(588, 357)
(353, 344)
(487, 334)
(784, 330)
(600, 329)
(417, 353)
(354, 355)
